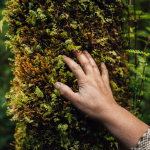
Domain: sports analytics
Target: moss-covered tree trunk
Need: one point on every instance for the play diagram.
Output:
(40, 32)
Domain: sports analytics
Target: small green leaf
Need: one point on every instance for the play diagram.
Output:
(1, 22)
(23, 97)
(69, 74)
(110, 138)
(69, 41)
(52, 80)
(46, 114)
(84, 129)
(60, 63)
(69, 116)
(27, 119)
(57, 92)
(39, 92)
(54, 97)
(113, 52)
(64, 34)
(47, 107)
(38, 47)
(62, 127)
(148, 28)
(30, 5)
(56, 119)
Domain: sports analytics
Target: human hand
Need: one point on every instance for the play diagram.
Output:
(95, 96)
(95, 99)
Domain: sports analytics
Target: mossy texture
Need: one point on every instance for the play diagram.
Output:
(40, 32)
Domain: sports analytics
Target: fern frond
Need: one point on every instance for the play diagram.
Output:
(133, 51)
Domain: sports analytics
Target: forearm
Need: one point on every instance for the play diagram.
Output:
(125, 127)
(95, 97)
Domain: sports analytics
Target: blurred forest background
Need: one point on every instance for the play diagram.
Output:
(7, 128)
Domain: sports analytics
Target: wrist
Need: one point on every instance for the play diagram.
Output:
(124, 126)
(108, 112)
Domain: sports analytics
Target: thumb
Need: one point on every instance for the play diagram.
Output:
(66, 92)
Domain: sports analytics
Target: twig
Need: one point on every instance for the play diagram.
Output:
(141, 87)
(126, 9)
(146, 45)
(144, 8)
(135, 21)
(129, 25)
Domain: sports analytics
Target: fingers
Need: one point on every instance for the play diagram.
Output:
(67, 92)
(105, 75)
(89, 67)
(92, 63)
(86, 66)
(75, 68)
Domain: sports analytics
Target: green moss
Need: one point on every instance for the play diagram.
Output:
(40, 32)
(38, 92)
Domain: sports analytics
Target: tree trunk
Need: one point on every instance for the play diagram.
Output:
(40, 32)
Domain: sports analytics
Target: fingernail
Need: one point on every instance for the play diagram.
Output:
(85, 52)
(102, 63)
(57, 85)
(75, 51)
(64, 56)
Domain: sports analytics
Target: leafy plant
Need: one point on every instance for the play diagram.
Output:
(40, 33)
(139, 63)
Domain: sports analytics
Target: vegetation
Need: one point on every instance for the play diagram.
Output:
(7, 128)
(139, 55)
(39, 34)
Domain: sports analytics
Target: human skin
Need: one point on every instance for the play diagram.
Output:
(96, 100)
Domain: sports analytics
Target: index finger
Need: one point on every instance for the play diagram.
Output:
(75, 68)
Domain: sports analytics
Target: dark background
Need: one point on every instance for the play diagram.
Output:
(7, 128)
